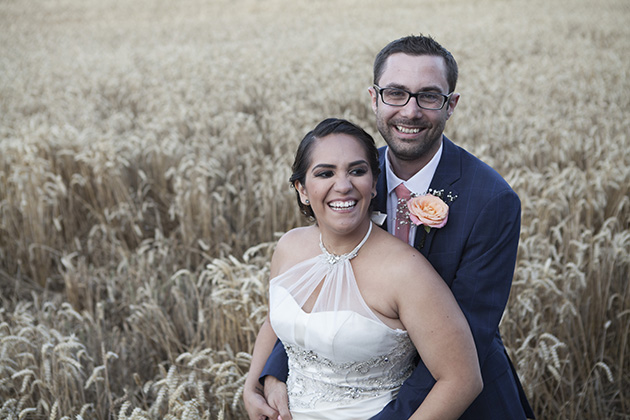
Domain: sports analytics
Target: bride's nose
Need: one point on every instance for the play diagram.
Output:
(343, 184)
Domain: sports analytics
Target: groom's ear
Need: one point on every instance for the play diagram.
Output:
(452, 103)
(374, 98)
(302, 191)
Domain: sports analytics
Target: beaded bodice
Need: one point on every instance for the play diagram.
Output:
(340, 353)
(378, 367)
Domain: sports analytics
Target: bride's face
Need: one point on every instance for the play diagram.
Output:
(339, 183)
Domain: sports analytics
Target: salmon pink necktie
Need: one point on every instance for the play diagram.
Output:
(402, 213)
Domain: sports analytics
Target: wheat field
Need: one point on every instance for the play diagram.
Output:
(145, 151)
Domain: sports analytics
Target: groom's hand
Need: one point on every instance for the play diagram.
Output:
(277, 397)
(256, 405)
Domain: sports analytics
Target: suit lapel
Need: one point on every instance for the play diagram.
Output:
(447, 172)
(379, 203)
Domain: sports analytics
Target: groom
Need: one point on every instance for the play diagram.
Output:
(475, 252)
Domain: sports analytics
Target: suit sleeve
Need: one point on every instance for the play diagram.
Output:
(484, 278)
(481, 286)
(277, 364)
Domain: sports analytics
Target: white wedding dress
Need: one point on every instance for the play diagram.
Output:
(344, 362)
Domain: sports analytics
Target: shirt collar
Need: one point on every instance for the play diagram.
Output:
(421, 181)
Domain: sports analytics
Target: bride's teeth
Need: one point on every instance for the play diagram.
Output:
(343, 204)
(408, 130)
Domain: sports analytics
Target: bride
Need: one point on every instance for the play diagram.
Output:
(353, 305)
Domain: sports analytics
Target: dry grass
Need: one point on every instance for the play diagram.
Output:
(145, 150)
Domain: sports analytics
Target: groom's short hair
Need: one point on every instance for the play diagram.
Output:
(417, 45)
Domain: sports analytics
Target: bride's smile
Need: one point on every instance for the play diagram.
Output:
(342, 205)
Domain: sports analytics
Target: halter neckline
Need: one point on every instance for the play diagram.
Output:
(334, 259)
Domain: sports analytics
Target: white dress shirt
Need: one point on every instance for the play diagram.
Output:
(418, 184)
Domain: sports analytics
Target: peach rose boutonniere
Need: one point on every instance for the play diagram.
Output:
(429, 210)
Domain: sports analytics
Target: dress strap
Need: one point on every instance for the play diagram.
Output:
(334, 259)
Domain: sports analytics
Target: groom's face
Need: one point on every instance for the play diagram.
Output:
(413, 133)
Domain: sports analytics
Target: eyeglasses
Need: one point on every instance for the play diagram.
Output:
(400, 97)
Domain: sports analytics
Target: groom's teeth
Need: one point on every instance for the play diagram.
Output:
(343, 204)
(408, 130)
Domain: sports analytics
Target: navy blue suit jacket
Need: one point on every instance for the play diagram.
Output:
(475, 254)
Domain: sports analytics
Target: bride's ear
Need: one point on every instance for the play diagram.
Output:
(302, 191)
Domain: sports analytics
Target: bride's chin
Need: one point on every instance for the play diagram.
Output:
(350, 227)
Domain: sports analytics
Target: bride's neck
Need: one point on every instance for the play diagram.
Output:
(342, 243)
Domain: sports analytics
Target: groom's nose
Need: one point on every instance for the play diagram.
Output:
(411, 110)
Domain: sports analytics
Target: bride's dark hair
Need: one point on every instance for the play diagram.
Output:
(329, 126)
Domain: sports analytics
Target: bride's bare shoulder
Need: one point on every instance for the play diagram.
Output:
(386, 240)
(299, 235)
(398, 256)
(297, 245)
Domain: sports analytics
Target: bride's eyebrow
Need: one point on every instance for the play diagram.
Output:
(358, 162)
(331, 166)
(323, 166)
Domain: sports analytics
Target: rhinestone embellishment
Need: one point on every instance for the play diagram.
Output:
(333, 259)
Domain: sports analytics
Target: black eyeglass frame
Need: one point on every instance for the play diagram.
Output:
(380, 90)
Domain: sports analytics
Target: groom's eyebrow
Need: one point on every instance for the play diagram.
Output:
(429, 88)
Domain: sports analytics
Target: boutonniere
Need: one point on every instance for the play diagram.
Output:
(430, 210)
(378, 217)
